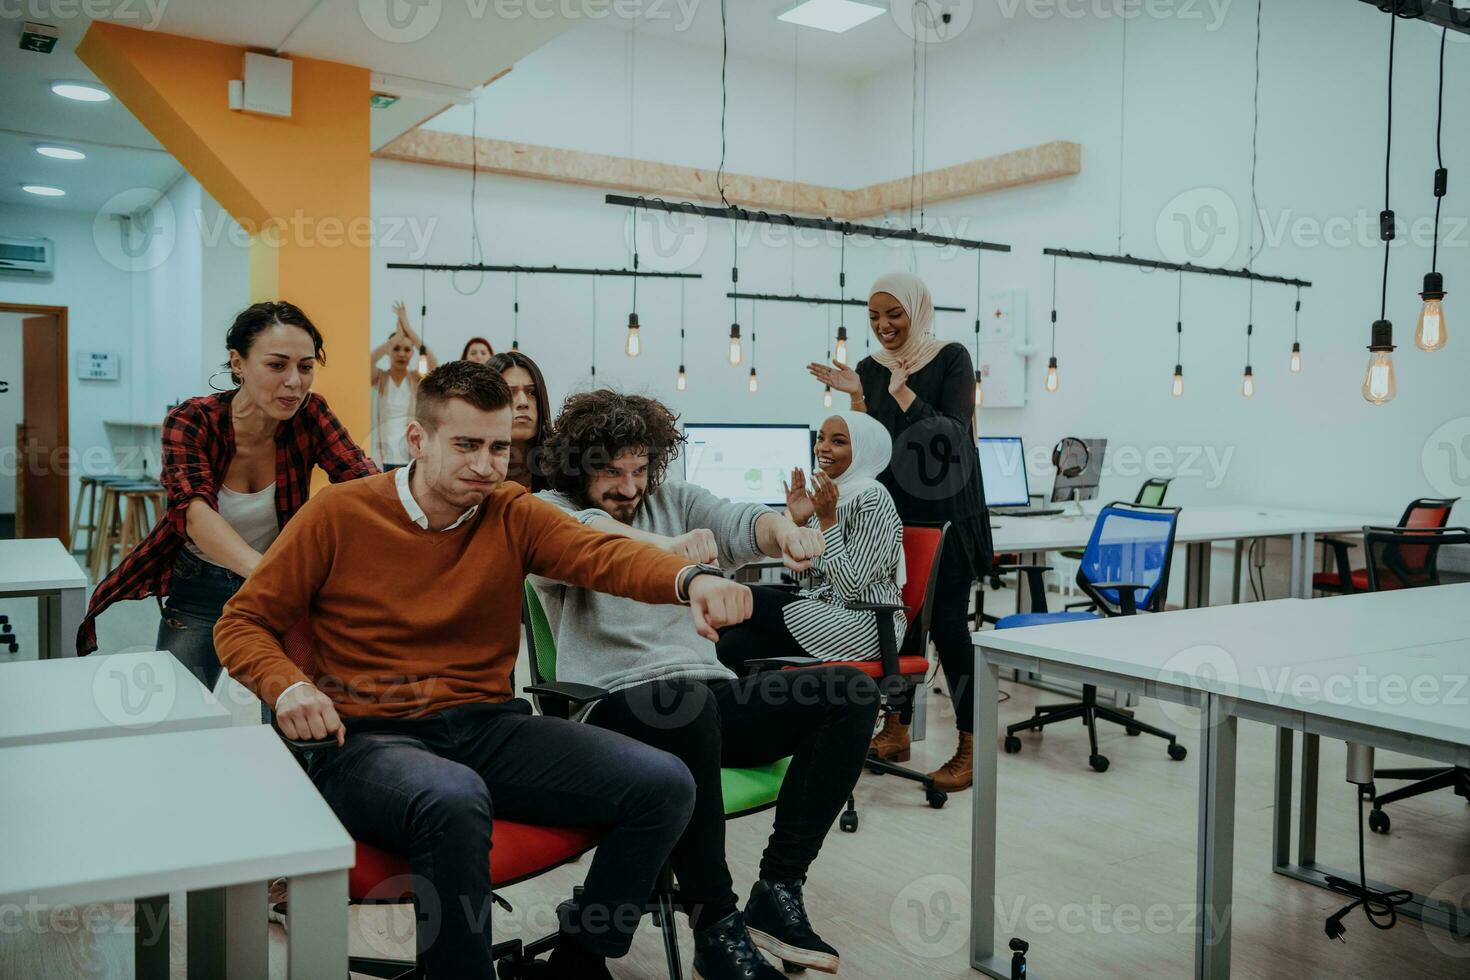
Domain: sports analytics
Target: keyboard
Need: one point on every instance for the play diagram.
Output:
(1049, 512)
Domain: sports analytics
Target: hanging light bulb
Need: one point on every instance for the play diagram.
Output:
(979, 392)
(1177, 387)
(683, 381)
(841, 356)
(1296, 357)
(734, 354)
(1248, 383)
(827, 396)
(632, 346)
(1052, 383)
(1430, 334)
(753, 383)
(1379, 383)
(423, 361)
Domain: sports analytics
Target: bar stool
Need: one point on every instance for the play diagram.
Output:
(125, 520)
(88, 500)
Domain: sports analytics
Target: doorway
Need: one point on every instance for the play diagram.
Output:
(35, 489)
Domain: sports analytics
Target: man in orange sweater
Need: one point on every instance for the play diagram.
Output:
(412, 583)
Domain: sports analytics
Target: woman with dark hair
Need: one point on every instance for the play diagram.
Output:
(923, 391)
(237, 466)
(530, 422)
(477, 349)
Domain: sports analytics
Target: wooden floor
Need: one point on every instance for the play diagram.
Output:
(1096, 871)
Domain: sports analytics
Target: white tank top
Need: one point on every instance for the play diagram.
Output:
(252, 515)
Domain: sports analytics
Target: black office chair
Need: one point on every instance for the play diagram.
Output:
(7, 637)
(1408, 558)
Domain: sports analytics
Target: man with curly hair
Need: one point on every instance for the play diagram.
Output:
(607, 458)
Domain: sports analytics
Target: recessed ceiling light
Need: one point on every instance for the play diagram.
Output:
(41, 190)
(80, 91)
(831, 15)
(60, 152)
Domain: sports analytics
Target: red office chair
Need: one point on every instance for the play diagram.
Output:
(522, 851)
(1426, 512)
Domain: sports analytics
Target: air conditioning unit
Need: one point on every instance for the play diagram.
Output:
(26, 256)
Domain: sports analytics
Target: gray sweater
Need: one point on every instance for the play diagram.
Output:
(614, 642)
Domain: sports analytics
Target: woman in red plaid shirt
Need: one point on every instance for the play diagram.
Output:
(237, 466)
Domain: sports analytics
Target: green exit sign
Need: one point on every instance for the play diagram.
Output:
(40, 38)
(382, 100)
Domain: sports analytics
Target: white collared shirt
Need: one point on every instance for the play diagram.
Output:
(415, 512)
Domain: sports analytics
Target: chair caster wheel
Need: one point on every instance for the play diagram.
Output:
(1378, 821)
(1133, 732)
(848, 822)
(936, 797)
(1012, 744)
(791, 967)
(1177, 751)
(1098, 762)
(509, 969)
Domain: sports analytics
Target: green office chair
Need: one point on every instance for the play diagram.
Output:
(745, 791)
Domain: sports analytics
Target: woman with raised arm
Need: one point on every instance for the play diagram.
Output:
(394, 390)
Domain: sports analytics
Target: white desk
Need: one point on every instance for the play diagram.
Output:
(213, 813)
(102, 696)
(1290, 663)
(41, 567)
(1199, 527)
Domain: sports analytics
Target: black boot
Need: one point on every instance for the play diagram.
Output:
(724, 951)
(776, 917)
(568, 961)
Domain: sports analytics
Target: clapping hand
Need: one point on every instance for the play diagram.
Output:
(798, 503)
(839, 376)
(898, 378)
(824, 499)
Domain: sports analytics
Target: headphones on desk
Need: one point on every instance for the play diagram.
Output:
(1070, 457)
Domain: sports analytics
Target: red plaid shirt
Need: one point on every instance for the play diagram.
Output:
(198, 444)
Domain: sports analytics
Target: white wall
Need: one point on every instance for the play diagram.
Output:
(1303, 440)
(12, 402)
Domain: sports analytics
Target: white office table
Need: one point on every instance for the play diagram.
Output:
(214, 813)
(102, 696)
(1290, 663)
(41, 567)
(1199, 527)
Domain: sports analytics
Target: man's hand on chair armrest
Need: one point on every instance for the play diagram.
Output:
(305, 714)
(565, 691)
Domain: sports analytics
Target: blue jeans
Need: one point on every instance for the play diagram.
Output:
(430, 787)
(197, 594)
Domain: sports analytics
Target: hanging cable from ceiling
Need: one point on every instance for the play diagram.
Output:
(724, 98)
(827, 389)
(979, 393)
(515, 312)
(753, 384)
(842, 294)
(733, 354)
(1296, 334)
(1430, 334)
(682, 382)
(633, 346)
(1379, 383)
(1176, 388)
(1248, 381)
(477, 252)
(423, 365)
(1052, 381)
(1122, 120)
(594, 330)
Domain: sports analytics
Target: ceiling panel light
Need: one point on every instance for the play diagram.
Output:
(41, 190)
(80, 91)
(61, 153)
(831, 15)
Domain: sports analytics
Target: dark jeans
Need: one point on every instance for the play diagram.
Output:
(197, 594)
(820, 716)
(430, 786)
(949, 628)
(764, 634)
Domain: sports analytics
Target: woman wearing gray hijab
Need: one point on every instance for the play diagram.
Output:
(923, 391)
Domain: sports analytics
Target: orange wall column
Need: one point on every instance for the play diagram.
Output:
(300, 185)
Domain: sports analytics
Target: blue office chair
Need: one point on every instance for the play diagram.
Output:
(1123, 570)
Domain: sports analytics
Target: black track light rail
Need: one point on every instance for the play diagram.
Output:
(1435, 12)
(820, 300)
(1199, 270)
(532, 270)
(733, 213)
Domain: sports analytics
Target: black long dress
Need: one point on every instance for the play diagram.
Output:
(935, 476)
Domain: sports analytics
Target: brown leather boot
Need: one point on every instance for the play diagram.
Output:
(892, 743)
(957, 773)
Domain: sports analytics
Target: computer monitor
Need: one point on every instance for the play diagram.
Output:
(745, 463)
(1003, 471)
(1083, 486)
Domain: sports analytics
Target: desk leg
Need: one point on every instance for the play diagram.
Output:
(1239, 561)
(1197, 575)
(1216, 858)
(206, 933)
(246, 942)
(316, 943)
(1281, 812)
(71, 606)
(150, 938)
(1306, 850)
(983, 956)
(1302, 547)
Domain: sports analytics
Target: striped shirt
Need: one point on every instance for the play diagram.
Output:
(859, 564)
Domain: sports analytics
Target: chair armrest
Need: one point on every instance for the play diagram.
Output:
(1034, 580)
(1127, 600)
(1340, 548)
(1336, 542)
(874, 607)
(1023, 568)
(299, 745)
(778, 663)
(568, 693)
